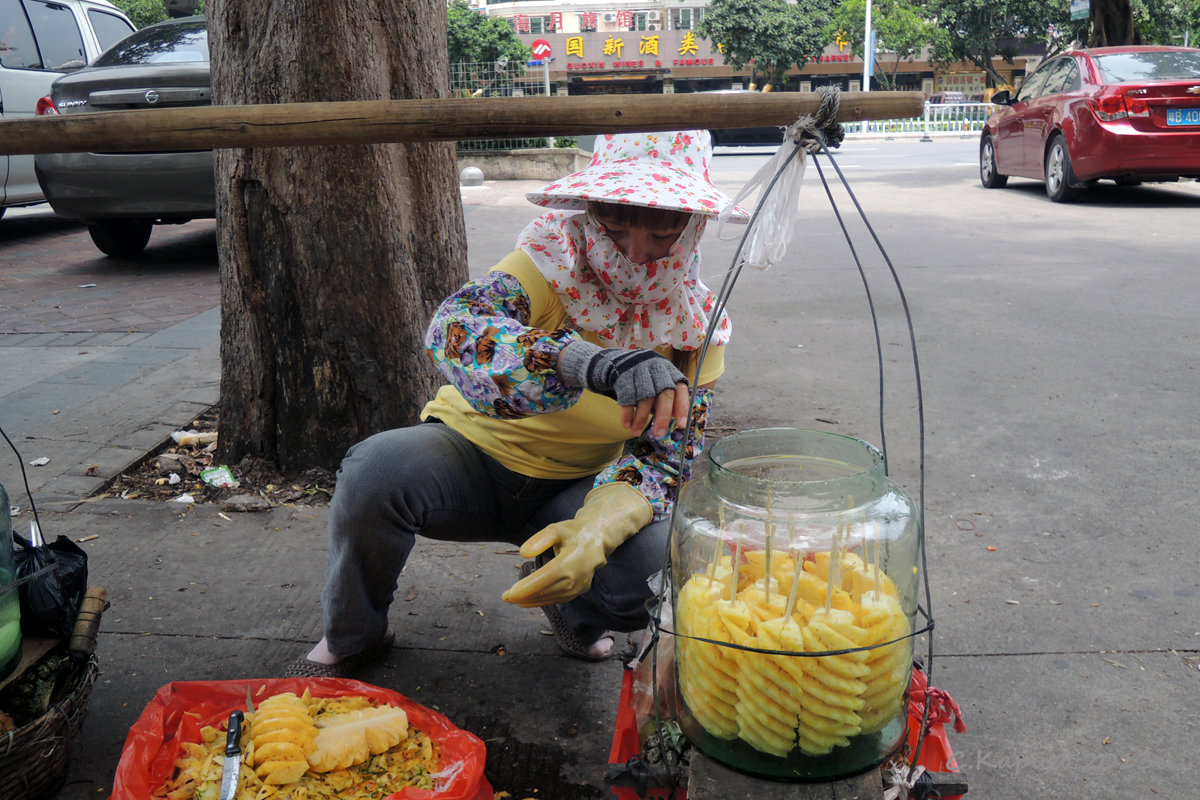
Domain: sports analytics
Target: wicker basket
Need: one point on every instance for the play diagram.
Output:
(34, 763)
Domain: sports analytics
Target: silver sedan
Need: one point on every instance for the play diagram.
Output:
(121, 196)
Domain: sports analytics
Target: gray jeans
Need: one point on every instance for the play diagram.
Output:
(431, 481)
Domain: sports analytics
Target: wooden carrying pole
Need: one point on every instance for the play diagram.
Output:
(452, 119)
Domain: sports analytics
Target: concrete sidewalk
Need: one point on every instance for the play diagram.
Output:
(200, 594)
(1073, 686)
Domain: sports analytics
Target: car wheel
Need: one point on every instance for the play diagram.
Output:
(988, 176)
(1059, 176)
(120, 238)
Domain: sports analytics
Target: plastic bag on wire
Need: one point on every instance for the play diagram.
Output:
(52, 579)
(654, 691)
(774, 223)
(765, 244)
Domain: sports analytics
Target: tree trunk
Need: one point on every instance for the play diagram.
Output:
(887, 80)
(332, 258)
(984, 62)
(1112, 23)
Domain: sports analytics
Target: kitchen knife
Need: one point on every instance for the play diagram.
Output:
(231, 770)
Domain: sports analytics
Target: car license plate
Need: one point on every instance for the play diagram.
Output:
(1183, 116)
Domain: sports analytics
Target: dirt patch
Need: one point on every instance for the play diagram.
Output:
(189, 461)
(151, 478)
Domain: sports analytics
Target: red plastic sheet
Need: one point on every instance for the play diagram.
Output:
(179, 710)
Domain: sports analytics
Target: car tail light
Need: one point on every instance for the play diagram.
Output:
(1112, 105)
(46, 107)
(1109, 107)
(1136, 107)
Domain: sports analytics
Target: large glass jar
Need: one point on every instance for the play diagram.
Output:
(10, 603)
(795, 665)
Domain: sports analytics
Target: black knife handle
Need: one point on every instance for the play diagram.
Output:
(234, 736)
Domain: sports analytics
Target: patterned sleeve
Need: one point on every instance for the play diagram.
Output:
(481, 341)
(654, 466)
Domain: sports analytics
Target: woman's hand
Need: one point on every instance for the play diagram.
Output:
(669, 404)
(643, 383)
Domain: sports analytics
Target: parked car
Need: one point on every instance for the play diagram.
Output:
(1127, 114)
(122, 196)
(765, 136)
(39, 41)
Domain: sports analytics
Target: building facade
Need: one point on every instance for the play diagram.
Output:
(651, 46)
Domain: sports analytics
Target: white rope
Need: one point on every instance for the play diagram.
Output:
(902, 780)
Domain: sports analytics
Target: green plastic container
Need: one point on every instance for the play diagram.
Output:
(10, 603)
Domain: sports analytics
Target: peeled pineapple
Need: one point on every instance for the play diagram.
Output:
(777, 703)
(769, 697)
(887, 665)
(288, 741)
(351, 738)
(283, 734)
(708, 674)
(831, 685)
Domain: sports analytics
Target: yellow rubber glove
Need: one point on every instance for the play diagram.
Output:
(610, 514)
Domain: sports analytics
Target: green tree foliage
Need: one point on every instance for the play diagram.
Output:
(980, 30)
(143, 12)
(1175, 22)
(477, 37)
(1117, 22)
(767, 35)
(900, 28)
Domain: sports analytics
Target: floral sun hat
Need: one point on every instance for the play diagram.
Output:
(659, 170)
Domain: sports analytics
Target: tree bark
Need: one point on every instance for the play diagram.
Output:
(1112, 23)
(332, 258)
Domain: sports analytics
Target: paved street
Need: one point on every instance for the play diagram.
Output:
(55, 281)
(1059, 391)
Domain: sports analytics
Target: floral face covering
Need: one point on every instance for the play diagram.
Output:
(626, 305)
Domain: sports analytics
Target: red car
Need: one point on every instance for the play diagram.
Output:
(1128, 114)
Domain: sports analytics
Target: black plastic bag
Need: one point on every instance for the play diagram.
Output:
(52, 580)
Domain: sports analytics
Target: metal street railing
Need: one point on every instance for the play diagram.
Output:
(938, 118)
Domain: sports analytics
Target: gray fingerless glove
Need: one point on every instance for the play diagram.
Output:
(627, 376)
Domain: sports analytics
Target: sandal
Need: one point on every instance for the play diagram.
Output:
(303, 667)
(571, 644)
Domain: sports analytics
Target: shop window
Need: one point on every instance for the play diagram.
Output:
(546, 24)
(685, 19)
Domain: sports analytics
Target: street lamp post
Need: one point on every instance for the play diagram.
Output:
(868, 51)
(546, 81)
(868, 57)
